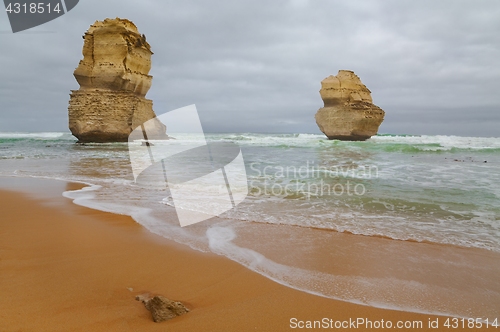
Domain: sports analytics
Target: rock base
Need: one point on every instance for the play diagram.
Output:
(350, 122)
(109, 116)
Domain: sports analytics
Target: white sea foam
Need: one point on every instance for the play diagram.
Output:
(443, 143)
(376, 292)
(426, 142)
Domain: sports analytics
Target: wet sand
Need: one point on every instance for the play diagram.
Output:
(68, 268)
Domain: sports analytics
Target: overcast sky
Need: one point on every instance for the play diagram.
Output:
(256, 66)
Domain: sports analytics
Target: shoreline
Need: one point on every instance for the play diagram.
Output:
(68, 267)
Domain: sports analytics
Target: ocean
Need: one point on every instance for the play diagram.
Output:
(416, 201)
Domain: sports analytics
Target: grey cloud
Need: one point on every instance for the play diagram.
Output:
(257, 66)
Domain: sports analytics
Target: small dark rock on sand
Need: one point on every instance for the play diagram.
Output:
(162, 308)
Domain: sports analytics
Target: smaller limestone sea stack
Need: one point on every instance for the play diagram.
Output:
(114, 79)
(349, 113)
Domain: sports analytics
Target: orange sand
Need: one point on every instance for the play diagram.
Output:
(69, 268)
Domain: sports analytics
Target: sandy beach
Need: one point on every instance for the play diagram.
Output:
(68, 268)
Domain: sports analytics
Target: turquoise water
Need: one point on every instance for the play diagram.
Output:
(432, 189)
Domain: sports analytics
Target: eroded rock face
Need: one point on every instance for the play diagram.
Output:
(349, 113)
(162, 308)
(114, 79)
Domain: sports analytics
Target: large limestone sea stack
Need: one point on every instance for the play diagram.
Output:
(349, 113)
(114, 80)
